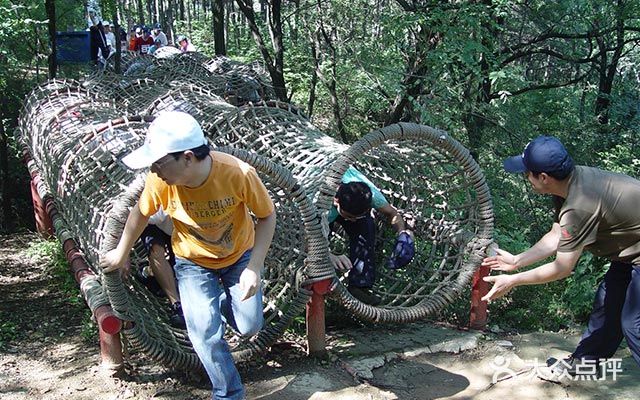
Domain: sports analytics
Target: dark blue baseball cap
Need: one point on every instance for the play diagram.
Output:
(542, 154)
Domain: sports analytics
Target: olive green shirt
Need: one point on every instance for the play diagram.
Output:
(602, 214)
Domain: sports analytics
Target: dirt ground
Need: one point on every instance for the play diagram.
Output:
(43, 356)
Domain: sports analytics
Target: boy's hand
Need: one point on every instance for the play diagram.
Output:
(341, 263)
(249, 283)
(113, 260)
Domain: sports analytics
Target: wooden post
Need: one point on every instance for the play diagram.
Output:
(109, 325)
(43, 220)
(478, 318)
(316, 341)
(110, 350)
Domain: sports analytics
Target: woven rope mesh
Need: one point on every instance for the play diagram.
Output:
(441, 194)
(77, 133)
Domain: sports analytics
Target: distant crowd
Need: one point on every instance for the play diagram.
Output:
(147, 40)
(141, 39)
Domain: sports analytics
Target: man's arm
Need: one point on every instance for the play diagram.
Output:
(559, 268)
(250, 278)
(545, 247)
(115, 259)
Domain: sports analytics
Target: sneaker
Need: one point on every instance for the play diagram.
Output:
(176, 316)
(364, 295)
(571, 366)
(150, 282)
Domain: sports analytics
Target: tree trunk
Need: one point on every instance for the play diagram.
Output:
(477, 94)
(116, 29)
(150, 12)
(314, 79)
(169, 21)
(274, 64)
(607, 70)
(50, 6)
(7, 194)
(218, 28)
(140, 12)
(330, 83)
(188, 12)
(156, 8)
(426, 40)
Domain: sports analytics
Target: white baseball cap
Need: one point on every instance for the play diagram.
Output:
(106, 23)
(170, 132)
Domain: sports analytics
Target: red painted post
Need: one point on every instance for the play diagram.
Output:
(43, 220)
(110, 350)
(478, 318)
(107, 321)
(316, 341)
(109, 325)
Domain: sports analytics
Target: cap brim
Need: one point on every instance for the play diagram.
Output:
(141, 158)
(514, 164)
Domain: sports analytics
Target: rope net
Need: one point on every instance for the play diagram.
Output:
(76, 134)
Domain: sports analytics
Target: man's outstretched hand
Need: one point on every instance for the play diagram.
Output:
(502, 261)
(502, 284)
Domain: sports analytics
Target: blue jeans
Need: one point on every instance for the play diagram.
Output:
(210, 300)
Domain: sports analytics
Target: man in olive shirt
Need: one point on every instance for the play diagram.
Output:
(598, 212)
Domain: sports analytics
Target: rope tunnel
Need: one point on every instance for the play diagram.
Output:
(77, 132)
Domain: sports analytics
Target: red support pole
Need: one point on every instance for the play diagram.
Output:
(109, 325)
(478, 318)
(107, 321)
(316, 342)
(110, 350)
(43, 220)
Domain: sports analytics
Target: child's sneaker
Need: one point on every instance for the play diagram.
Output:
(176, 316)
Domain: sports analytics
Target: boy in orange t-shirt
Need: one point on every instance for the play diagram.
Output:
(219, 250)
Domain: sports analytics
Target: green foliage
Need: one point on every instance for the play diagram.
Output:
(622, 158)
(531, 308)
(298, 326)
(8, 332)
(89, 330)
(577, 298)
(50, 252)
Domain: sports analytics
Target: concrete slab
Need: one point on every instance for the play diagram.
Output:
(411, 362)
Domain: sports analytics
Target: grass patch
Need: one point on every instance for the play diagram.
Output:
(51, 254)
(8, 333)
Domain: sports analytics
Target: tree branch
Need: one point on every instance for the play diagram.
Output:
(494, 96)
(551, 53)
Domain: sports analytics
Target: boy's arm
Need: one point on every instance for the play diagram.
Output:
(394, 218)
(115, 259)
(250, 278)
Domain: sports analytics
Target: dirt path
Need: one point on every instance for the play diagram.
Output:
(43, 356)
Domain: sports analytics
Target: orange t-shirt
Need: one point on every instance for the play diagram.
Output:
(212, 224)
